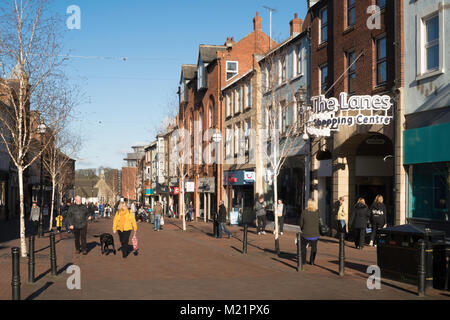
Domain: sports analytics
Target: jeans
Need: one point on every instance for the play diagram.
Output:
(261, 223)
(341, 225)
(157, 222)
(222, 227)
(80, 236)
(189, 215)
(124, 237)
(66, 223)
(35, 227)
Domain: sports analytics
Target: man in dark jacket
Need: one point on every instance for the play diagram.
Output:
(360, 218)
(222, 219)
(309, 225)
(64, 212)
(78, 216)
(260, 211)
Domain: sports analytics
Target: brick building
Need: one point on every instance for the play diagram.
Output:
(358, 50)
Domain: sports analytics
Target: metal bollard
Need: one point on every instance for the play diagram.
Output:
(341, 254)
(53, 253)
(15, 283)
(421, 269)
(299, 252)
(277, 246)
(244, 245)
(31, 260)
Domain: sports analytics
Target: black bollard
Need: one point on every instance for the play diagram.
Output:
(53, 253)
(244, 245)
(277, 246)
(341, 254)
(15, 283)
(299, 252)
(31, 260)
(421, 269)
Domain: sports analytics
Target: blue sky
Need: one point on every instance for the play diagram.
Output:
(126, 100)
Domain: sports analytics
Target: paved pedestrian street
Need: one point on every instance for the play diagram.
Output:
(193, 265)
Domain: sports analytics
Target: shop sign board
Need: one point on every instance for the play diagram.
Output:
(189, 186)
(328, 114)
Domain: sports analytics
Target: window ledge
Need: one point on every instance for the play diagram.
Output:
(429, 74)
(281, 85)
(322, 45)
(348, 29)
(297, 77)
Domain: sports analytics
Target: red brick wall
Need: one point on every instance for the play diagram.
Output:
(128, 182)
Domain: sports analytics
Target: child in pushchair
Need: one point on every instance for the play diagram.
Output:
(142, 215)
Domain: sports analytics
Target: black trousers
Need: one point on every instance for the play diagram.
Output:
(375, 226)
(360, 237)
(281, 223)
(35, 225)
(261, 223)
(313, 245)
(124, 237)
(80, 236)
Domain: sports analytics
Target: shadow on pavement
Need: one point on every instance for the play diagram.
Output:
(36, 294)
(327, 269)
(286, 264)
(91, 246)
(39, 277)
(63, 269)
(236, 249)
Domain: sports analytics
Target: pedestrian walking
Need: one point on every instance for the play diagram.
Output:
(78, 216)
(101, 209)
(158, 211)
(59, 219)
(222, 220)
(359, 220)
(133, 209)
(64, 211)
(309, 224)
(34, 217)
(190, 211)
(280, 213)
(342, 217)
(377, 217)
(124, 222)
(260, 210)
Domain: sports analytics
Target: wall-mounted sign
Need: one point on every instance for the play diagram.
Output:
(189, 186)
(329, 114)
(249, 176)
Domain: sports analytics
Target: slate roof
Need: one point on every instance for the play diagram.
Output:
(209, 52)
(188, 71)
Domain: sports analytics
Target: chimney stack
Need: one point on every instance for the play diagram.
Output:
(257, 22)
(296, 25)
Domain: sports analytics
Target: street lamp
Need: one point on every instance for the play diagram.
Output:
(301, 97)
(41, 130)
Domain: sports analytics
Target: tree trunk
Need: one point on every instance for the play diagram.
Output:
(275, 203)
(182, 205)
(23, 243)
(53, 205)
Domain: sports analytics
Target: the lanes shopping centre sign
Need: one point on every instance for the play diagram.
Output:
(328, 115)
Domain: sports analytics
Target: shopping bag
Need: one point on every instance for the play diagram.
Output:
(162, 221)
(134, 240)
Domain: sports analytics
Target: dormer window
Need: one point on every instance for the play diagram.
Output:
(201, 75)
(231, 69)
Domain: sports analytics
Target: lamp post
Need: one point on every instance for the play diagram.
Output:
(41, 130)
(217, 139)
(301, 97)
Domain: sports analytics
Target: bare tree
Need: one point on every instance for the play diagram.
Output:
(282, 127)
(57, 156)
(29, 46)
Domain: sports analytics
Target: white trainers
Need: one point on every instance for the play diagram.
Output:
(371, 243)
(263, 232)
(259, 233)
(281, 233)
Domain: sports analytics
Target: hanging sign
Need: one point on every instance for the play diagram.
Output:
(329, 114)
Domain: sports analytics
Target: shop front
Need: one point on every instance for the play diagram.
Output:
(148, 193)
(427, 160)
(240, 197)
(174, 191)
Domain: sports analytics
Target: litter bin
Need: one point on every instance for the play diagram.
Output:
(398, 253)
(152, 218)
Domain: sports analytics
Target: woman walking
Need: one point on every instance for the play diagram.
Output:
(281, 213)
(309, 224)
(34, 217)
(361, 215)
(377, 217)
(124, 222)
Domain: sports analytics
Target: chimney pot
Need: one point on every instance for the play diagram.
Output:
(296, 25)
(257, 22)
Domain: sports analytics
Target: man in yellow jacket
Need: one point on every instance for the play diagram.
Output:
(124, 222)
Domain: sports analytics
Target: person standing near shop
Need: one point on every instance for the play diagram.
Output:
(124, 222)
(64, 211)
(281, 213)
(158, 211)
(260, 211)
(377, 217)
(222, 220)
(190, 210)
(342, 217)
(309, 224)
(78, 216)
(34, 217)
(360, 218)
